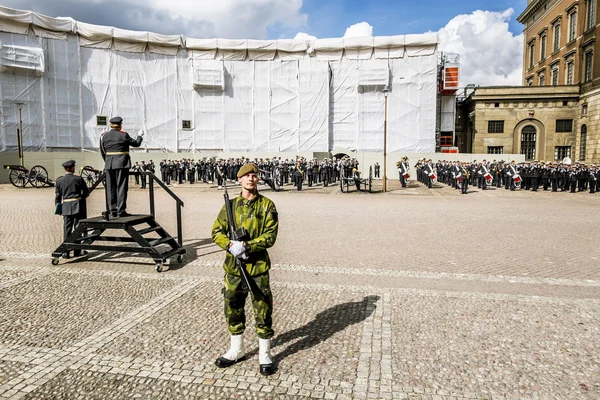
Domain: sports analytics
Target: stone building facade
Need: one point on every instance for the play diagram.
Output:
(539, 122)
(556, 113)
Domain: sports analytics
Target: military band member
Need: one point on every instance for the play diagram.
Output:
(482, 172)
(377, 169)
(465, 175)
(258, 217)
(511, 172)
(298, 175)
(114, 147)
(136, 172)
(573, 178)
(71, 193)
(143, 168)
(593, 178)
(402, 170)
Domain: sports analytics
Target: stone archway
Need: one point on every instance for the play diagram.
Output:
(540, 137)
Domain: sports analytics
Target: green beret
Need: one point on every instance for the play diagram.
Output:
(246, 169)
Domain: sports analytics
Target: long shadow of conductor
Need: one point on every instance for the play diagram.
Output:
(326, 324)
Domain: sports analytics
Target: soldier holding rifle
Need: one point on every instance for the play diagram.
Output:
(246, 227)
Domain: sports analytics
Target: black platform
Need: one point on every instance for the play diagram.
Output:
(93, 230)
(160, 248)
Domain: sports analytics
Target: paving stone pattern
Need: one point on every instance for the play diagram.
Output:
(415, 294)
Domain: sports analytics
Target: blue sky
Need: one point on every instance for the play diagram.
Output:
(330, 18)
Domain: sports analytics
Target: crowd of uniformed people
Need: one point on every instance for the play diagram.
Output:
(297, 171)
(564, 176)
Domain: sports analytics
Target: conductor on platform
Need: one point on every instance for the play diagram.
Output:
(114, 147)
(71, 192)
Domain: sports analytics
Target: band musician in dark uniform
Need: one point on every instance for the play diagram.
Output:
(71, 192)
(114, 147)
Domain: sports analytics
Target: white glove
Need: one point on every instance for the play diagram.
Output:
(236, 248)
(141, 133)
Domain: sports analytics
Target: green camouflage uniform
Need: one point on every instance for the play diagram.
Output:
(259, 217)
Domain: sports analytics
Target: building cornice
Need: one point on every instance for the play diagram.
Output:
(530, 10)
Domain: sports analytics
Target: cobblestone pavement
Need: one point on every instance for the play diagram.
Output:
(413, 294)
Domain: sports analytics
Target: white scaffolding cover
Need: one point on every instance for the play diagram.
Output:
(237, 95)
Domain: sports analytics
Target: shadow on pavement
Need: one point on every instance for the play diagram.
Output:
(326, 324)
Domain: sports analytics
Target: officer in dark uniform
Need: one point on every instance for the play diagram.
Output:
(143, 168)
(114, 147)
(71, 192)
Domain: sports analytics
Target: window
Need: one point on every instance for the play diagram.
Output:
(570, 69)
(591, 14)
(186, 124)
(555, 75)
(530, 82)
(572, 25)
(564, 125)
(584, 109)
(101, 120)
(583, 142)
(495, 126)
(541, 80)
(531, 55)
(561, 152)
(495, 149)
(496, 105)
(565, 103)
(528, 142)
(542, 47)
(588, 66)
(556, 37)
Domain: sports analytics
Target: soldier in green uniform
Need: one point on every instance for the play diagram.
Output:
(258, 216)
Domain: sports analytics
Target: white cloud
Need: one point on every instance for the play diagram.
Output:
(359, 30)
(236, 18)
(489, 53)
(243, 19)
(304, 36)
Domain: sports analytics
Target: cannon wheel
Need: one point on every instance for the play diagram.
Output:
(18, 177)
(38, 176)
(276, 179)
(90, 176)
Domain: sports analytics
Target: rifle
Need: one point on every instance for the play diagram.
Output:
(240, 235)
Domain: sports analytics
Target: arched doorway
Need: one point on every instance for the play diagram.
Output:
(528, 139)
(339, 156)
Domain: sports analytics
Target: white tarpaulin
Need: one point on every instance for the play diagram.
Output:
(213, 94)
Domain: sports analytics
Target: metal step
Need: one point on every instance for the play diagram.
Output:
(148, 230)
(156, 242)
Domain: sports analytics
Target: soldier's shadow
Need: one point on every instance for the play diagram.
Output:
(326, 324)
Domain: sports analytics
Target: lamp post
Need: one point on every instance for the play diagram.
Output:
(385, 95)
(20, 133)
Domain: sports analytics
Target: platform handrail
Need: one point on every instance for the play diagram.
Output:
(178, 201)
(153, 178)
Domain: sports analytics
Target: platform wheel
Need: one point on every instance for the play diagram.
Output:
(158, 266)
(55, 260)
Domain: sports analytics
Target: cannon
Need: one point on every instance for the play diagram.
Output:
(271, 178)
(361, 184)
(20, 176)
